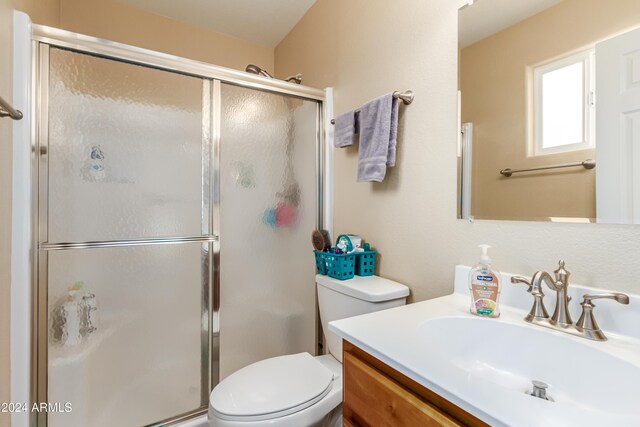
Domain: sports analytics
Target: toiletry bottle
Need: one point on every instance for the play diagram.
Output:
(484, 286)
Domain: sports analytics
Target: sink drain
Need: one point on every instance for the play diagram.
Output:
(539, 390)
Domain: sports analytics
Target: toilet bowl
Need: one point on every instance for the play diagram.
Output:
(285, 391)
(300, 390)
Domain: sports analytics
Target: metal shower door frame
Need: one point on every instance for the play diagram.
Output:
(214, 76)
(208, 239)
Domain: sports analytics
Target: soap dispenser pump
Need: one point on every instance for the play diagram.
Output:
(484, 286)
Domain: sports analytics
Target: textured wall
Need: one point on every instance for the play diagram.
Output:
(363, 49)
(6, 52)
(494, 97)
(115, 21)
(45, 12)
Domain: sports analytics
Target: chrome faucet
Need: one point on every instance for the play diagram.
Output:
(538, 311)
(587, 323)
(561, 318)
(560, 284)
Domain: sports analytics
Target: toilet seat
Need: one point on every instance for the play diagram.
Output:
(271, 388)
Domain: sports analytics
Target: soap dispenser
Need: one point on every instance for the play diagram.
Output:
(484, 287)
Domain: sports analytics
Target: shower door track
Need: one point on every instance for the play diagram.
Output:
(43, 37)
(123, 52)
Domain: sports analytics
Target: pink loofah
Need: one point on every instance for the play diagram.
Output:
(286, 214)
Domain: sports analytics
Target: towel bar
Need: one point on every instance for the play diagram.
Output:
(406, 97)
(7, 110)
(587, 164)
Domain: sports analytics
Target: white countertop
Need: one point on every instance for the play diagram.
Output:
(393, 336)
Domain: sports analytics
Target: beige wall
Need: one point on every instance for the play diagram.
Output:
(363, 49)
(45, 12)
(494, 97)
(115, 21)
(119, 22)
(6, 53)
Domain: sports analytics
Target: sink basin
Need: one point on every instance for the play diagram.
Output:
(484, 366)
(507, 356)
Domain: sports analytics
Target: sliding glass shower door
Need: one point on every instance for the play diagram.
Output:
(268, 208)
(173, 221)
(125, 240)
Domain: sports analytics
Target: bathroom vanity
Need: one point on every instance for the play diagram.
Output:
(434, 363)
(377, 394)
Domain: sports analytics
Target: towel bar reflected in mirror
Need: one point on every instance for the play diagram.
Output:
(587, 164)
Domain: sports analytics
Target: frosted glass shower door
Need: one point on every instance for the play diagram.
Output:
(125, 150)
(268, 208)
(142, 364)
(125, 241)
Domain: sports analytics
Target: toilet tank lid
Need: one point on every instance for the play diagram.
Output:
(368, 288)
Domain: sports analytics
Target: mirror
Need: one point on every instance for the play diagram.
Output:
(549, 110)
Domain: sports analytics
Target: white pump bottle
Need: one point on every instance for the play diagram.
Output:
(484, 286)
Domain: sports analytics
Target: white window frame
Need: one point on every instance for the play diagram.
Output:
(586, 57)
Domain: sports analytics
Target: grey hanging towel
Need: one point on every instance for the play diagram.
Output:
(378, 134)
(346, 127)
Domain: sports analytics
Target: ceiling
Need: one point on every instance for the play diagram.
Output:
(487, 17)
(265, 22)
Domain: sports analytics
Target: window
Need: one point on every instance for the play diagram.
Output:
(563, 105)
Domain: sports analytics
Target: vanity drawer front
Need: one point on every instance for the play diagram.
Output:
(371, 398)
(347, 423)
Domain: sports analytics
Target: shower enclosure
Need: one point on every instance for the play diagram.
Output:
(174, 202)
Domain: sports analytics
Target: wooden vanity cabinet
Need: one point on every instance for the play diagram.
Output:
(377, 395)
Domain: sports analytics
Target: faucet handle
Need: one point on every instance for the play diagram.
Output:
(520, 279)
(587, 322)
(621, 298)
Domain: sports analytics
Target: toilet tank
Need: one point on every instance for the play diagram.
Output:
(339, 299)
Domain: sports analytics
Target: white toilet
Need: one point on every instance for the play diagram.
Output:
(300, 390)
